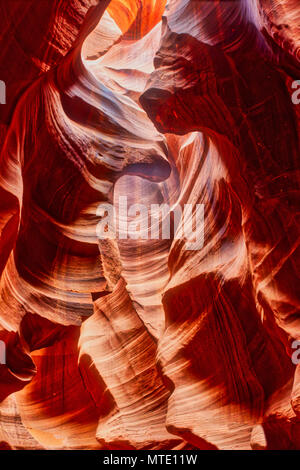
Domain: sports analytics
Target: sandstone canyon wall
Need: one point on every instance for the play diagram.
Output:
(141, 342)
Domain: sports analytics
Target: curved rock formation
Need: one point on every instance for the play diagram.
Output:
(226, 81)
(128, 343)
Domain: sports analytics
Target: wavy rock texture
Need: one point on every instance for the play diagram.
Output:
(145, 344)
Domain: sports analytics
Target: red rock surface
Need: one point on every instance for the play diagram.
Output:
(144, 344)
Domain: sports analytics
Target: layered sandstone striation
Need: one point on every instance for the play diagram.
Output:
(144, 343)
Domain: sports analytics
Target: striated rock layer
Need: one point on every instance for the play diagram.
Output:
(145, 343)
